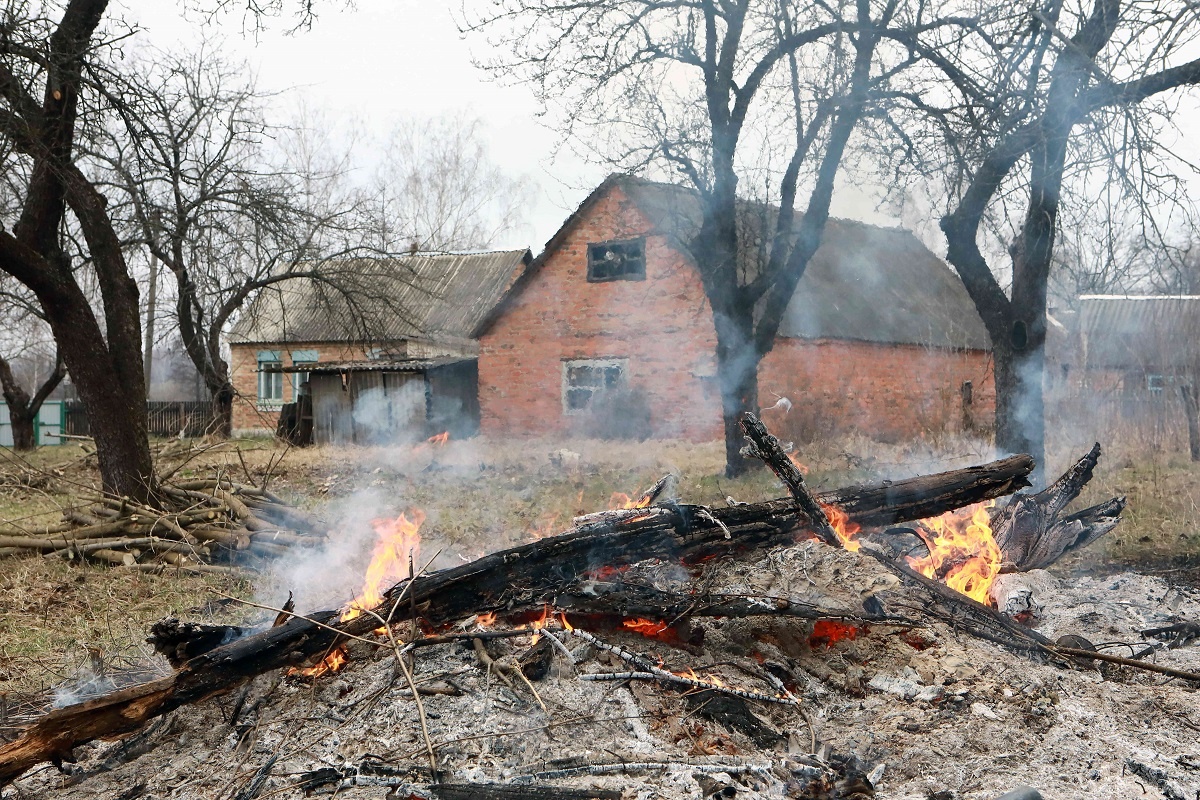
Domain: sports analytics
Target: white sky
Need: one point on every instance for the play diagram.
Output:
(384, 60)
(390, 59)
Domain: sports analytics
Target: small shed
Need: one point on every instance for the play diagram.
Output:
(391, 401)
(1140, 343)
(49, 427)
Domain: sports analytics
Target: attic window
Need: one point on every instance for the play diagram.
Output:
(617, 261)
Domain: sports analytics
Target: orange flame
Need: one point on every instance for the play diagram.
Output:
(545, 526)
(440, 439)
(645, 627)
(799, 464)
(846, 530)
(485, 620)
(620, 500)
(963, 554)
(333, 662)
(398, 539)
(538, 624)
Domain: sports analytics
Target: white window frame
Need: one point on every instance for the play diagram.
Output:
(300, 377)
(269, 383)
(595, 363)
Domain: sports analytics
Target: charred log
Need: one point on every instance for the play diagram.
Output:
(525, 791)
(528, 575)
(1029, 531)
(179, 641)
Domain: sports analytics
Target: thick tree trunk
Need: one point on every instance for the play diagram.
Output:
(221, 424)
(24, 429)
(113, 390)
(737, 371)
(1020, 404)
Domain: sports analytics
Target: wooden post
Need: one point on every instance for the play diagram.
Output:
(1191, 410)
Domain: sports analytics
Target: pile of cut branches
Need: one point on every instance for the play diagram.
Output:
(207, 525)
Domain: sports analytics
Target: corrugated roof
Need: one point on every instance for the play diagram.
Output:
(383, 365)
(1150, 332)
(865, 282)
(434, 296)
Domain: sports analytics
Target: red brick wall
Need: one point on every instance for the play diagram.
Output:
(249, 417)
(886, 391)
(663, 325)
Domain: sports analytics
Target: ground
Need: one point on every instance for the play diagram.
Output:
(55, 617)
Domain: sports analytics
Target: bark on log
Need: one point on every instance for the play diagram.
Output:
(546, 568)
(1029, 531)
(767, 447)
(525, 791)
(55, 735)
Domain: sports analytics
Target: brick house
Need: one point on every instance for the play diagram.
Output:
(880, 337)
(409, 315)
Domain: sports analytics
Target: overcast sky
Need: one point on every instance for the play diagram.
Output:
(385, 60)
(390, 59)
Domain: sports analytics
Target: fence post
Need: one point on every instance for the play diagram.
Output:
(1191, 409)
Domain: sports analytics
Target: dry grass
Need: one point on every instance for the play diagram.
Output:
(479, 497)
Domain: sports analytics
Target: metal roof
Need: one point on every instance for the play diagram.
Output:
(382, 365)
(864, 283)
(432, 296)
(1149, 332)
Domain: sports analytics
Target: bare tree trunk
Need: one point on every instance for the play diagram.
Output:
(221, 423)
(737, 370)
(23, 410)
(1020, 404)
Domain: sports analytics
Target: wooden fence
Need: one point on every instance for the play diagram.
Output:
(164, 418)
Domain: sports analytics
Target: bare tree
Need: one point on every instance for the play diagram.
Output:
(1043, 101)
(203, 188)
(47, 52)
(696, 90)
(233, 204)
(437, 185)
(26, 341)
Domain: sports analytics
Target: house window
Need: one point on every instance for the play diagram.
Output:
(300, 378)
(302, 358)
(270, 379)
(586, 382)
(1154, 384)
(617, 261)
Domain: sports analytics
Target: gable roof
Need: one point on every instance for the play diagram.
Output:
(431, 296)
(1157, 333)
(864, 283)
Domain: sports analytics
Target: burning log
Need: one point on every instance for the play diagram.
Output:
(548, 568)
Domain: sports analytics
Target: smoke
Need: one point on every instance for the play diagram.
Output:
(331, 575)
(88, 683)
(390, 417)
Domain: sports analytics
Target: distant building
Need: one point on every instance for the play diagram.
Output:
(609, 329)
(399, 352)
(1132, 345)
